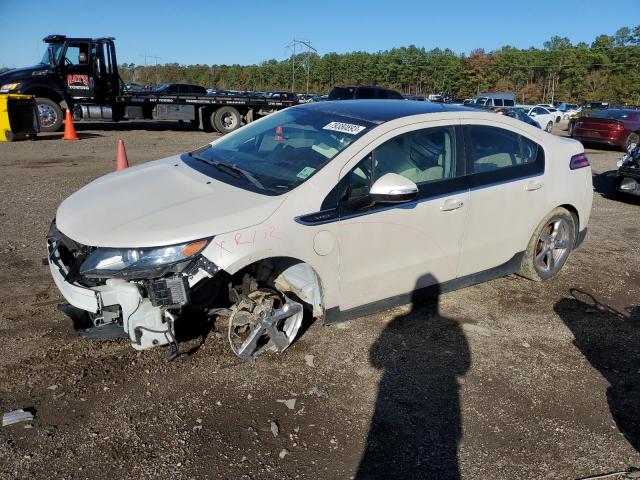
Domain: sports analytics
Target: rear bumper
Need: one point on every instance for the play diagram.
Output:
(616, 140)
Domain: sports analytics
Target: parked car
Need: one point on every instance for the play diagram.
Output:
(283, 95)
(363, 92)
(134, 87)
(568, 109)
(618, 127)
(319, 98)
(329, 210)
(544, 117)
(557, 113)
(519, 114)
(492, 99)
(180, 89)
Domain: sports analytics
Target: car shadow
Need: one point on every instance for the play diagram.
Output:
(610, 340)
(126, 126)
(58, 136)
(416, 426)
(603, 184)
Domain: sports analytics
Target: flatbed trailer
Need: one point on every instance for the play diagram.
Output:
(81, 75)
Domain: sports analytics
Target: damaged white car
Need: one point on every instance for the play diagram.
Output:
(327, 210)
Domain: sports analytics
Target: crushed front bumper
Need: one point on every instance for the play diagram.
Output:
(114, 300)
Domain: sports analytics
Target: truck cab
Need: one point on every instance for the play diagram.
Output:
(72, 71)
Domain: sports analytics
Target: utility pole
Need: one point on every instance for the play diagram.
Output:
(304, 62)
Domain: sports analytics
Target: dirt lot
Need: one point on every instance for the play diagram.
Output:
(509, 379)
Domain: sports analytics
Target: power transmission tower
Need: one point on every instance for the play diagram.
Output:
(156, 58)
(301, 54)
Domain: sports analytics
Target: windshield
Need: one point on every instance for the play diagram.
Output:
(616, 114)
(479, 101)
(279, 153)
(56, 49)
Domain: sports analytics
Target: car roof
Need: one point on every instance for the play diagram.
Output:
(380, 111)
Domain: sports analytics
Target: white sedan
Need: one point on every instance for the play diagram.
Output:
(543, 116)
(329, 210)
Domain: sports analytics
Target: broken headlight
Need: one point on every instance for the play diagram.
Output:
(140, 262)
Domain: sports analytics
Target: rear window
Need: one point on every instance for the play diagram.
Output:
(509, 103)
(341, 93)
(614, 114)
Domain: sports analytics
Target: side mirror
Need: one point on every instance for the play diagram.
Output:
(532, 114)
(393, 188)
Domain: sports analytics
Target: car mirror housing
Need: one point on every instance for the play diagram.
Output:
(393, 188)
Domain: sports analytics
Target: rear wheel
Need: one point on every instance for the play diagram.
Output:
(549, 127)
(50, 115)
(631, 139)
(226, 119)
(549, 246)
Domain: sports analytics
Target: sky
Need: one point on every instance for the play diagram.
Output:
(248, 32)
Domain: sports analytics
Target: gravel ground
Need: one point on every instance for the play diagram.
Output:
(508, 379)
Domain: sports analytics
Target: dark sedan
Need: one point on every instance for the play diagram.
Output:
(617, 127)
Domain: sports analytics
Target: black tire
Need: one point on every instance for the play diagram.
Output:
(226, 119)
(549, 127)
(50, 115)
(632, 138)
(532, 266)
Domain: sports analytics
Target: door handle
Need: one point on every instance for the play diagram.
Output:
(451, 204)
(534, 185)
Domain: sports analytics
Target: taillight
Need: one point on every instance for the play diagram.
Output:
(579, 161)
(619, 126)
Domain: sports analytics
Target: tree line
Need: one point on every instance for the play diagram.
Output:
(608, 69)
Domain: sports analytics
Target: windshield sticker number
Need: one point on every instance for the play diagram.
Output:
(305, 172)
(349, 128)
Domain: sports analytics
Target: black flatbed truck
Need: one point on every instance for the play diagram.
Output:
(81, 74)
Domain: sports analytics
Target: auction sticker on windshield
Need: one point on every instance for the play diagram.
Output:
(305, 172)
(344, 127)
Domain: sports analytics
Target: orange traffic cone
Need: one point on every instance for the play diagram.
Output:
(69, 129)
(121, 156)
(278, 137)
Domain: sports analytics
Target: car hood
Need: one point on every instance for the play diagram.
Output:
(159, 203)
(21, 73)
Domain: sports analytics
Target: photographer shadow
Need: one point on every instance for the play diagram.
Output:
(610, 340)
(416, 427)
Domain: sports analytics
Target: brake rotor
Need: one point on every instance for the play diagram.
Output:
(262, 321)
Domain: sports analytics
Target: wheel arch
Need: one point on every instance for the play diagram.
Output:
(47, 93)
(288, 274)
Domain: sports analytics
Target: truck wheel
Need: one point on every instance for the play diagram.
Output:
(226, 119)
(50, 115)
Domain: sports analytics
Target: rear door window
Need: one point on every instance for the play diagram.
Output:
(495, 154)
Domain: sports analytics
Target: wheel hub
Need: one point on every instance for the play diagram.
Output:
(552, 247)
(47, 115)
(263, 321)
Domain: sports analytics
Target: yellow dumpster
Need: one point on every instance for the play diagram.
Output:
(18, 117)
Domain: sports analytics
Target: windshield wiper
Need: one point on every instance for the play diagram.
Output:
(231, 169)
